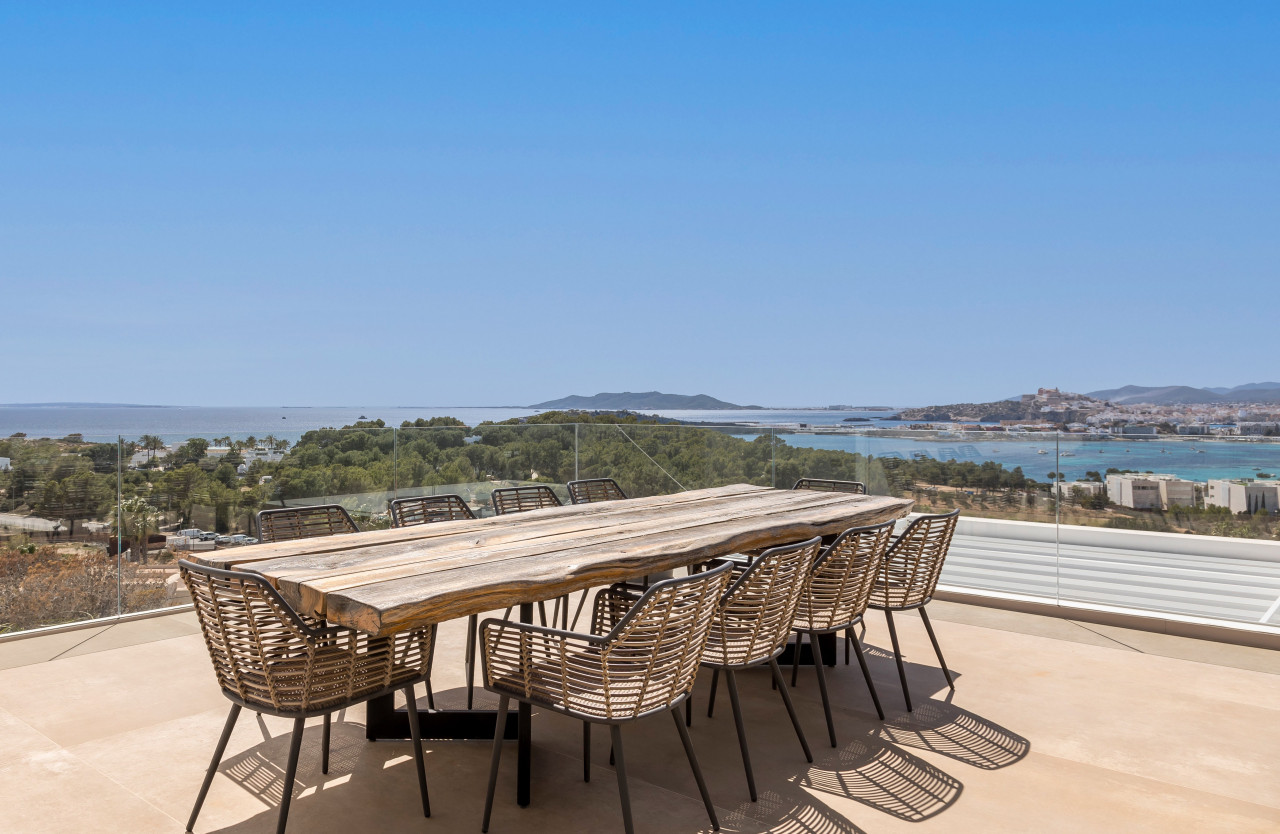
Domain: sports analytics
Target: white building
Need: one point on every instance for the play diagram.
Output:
(1244, 496)
(1151, 492)
(264, 455)
(1089, 488)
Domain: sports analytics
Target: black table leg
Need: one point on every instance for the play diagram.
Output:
(524, 744)
(826, 640)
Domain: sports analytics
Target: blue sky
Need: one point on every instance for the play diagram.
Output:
(784, 204)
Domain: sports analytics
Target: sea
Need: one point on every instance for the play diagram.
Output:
(1038, 455)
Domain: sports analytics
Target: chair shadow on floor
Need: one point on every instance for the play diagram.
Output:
(788, 810)
(260, 769)
(943, 728)
(884, 777)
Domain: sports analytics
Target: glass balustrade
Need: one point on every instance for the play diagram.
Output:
(92, 526)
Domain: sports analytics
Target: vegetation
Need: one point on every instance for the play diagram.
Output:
(89, 505)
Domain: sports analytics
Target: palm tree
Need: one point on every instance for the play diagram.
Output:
(141, 519)
(152, 444)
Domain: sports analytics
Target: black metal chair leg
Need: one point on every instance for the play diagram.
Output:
(324, 745)
(711, 699)
(290, 771)
(542, 613)
(742, 730)
(819, 664)
(213, 765)
(866, 673)
(616, 732)
(697, 769)
(897, 655)
(928, 626)
(688, 710)
(586, 751)
(795, 657)
(472, 627)
(791, 710)
(848, 643)
(503, 703)
(415, 735)
(431, 697)
(578, 612)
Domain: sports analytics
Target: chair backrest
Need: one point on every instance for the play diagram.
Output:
(522, 498)
(428, 509)
(595, 489)
(841, 580)
(757, 611)
(651, 656)
(259, 645)
(292, 523)
(827, 485)
(267, 656)
(910, 570)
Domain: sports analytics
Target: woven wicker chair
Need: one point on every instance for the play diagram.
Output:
(632, 666)
(291, 523)
(430, 509)
(837, 595)
(826, 485)
(524, 498)
(270, 659)
(908, 577)
(427, 509)
(595, 489)
(752, 624)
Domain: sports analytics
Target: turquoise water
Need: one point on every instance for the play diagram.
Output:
(1198, 460)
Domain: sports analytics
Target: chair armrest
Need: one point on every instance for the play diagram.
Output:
(536, 661)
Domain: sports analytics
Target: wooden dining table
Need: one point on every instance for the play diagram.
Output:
(385, 581)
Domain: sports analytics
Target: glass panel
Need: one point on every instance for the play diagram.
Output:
(57, 520)
(513, 454)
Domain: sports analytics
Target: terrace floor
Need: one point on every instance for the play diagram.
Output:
(1054, 726)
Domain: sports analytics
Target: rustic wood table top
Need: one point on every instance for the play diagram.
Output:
(384, 581)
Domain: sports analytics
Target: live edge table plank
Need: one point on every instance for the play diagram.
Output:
(385, 581)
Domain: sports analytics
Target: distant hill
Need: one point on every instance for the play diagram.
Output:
(1258, 392)
(627, 401)
(80, 405)
(1156, 396)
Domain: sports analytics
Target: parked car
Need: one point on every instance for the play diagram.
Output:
(208, 537)
(222, 540)
(240, 538)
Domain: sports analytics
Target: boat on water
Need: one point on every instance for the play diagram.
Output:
(1041, 452)
(1067, 455)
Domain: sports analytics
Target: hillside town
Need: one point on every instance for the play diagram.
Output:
(1050, 409)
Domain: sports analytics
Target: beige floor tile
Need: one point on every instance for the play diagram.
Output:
(135, 632)
(75, 699)
(17, 740)
(1200, 651)
(54, 792)
(1014, 621)
(45, 647)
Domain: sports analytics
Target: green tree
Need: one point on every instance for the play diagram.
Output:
(141, 519)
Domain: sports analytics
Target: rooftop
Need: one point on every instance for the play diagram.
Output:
(1055, 725)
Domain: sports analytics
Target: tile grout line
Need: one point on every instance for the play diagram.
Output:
(1107, 637)
(78, 645)
(91, 766)
(122, 786)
